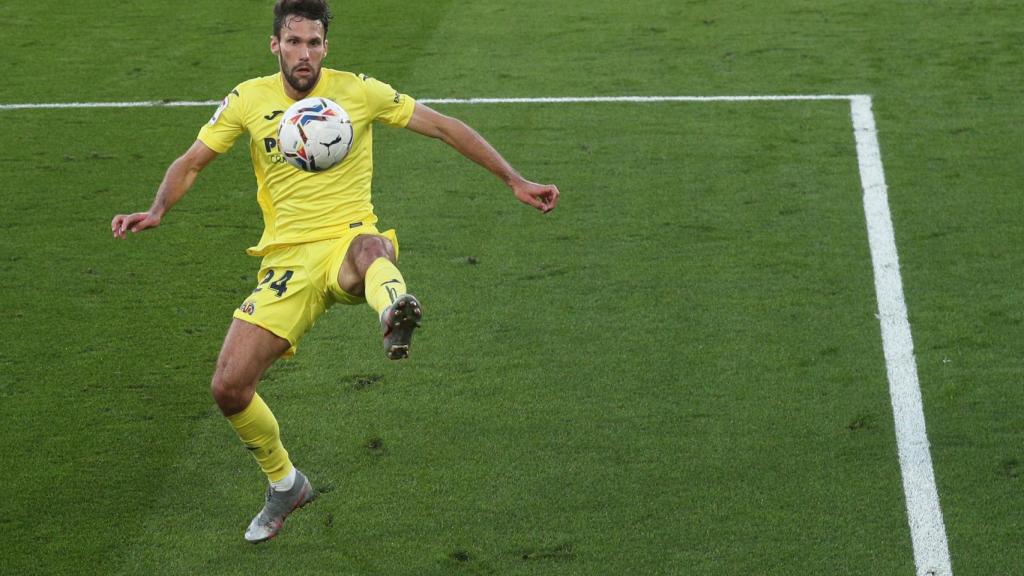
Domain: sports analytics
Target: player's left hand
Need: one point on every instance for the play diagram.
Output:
(543, 197)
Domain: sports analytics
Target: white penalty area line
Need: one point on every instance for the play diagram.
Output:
(138, 104)
(927, 529)
(539, 100)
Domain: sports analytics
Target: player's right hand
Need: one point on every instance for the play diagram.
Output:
(136, 222)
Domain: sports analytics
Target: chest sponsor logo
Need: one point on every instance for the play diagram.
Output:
(274, 155)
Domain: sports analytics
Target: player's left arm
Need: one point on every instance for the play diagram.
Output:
(472, 145)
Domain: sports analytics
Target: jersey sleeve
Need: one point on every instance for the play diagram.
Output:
(387, 104)
(226, 124)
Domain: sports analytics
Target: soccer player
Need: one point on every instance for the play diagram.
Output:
(320, 245)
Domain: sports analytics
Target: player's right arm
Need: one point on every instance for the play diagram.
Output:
(177, 181)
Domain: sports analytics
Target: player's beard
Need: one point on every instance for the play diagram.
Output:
(299, 84)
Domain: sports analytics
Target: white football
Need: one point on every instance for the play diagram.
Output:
(315, 134)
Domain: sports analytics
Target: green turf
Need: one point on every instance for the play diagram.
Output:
(679, 371)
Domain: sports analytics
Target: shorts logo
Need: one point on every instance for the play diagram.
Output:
(248, 307)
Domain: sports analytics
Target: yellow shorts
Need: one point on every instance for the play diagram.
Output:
(298, 283)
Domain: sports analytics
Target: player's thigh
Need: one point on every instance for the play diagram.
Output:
(247, 352)
(358, 254)
(290, 295)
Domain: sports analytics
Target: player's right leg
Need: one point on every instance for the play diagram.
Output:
(247, 352)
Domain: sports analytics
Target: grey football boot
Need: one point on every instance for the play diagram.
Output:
(279, 505)
(397, 322)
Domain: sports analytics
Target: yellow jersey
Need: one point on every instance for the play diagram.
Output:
(302, 206)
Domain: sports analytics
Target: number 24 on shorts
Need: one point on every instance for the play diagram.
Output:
(280, 285)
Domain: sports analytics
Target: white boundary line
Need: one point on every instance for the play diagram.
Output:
(927, 529)
(140, 104)
(542, 100)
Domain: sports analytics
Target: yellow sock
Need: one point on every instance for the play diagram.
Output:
(258, 430)
(383, 284)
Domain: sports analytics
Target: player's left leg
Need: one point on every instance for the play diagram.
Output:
(369, 270)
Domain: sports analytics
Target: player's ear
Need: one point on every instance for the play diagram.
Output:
(325, 47)
(275, 45)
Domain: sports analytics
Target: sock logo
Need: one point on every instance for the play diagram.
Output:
(392, 293)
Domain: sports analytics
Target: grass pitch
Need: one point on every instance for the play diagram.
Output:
(676, 372)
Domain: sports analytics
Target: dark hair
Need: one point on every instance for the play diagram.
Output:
(308, 9)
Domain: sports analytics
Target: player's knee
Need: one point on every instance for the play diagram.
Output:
(372, 248)
(231, 396)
